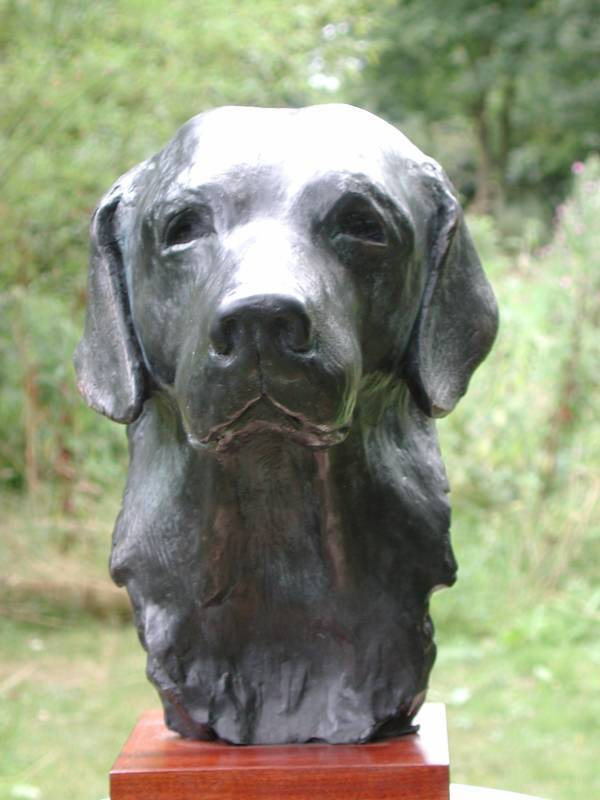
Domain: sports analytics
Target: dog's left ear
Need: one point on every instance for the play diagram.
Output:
(458, 318)
(108, 361)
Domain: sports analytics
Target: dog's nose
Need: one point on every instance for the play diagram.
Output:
(263, 322)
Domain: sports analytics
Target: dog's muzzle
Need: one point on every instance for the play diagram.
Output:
(265, 372)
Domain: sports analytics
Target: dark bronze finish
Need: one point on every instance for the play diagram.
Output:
(280, 301)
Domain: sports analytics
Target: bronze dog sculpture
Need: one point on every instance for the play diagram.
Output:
(280, 301)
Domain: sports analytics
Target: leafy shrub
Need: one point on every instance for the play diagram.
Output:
(522, 446)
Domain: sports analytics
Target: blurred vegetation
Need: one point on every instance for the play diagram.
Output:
(504, 93)
(90, 89)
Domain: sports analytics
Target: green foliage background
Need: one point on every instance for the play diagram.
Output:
(502, 94)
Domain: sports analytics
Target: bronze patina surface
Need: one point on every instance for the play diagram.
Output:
(280, 302)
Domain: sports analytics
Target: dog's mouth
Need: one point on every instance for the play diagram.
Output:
(265, 416)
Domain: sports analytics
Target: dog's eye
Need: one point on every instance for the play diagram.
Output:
(359, 220)
(189, 225)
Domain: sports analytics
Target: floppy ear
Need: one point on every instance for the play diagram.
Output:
(458, 319)
(108, 362)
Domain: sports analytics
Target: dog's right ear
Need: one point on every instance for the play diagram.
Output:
(108, 361)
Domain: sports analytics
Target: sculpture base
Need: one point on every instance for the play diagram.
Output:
(156, 763)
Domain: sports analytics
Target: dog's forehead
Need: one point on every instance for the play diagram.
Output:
(298, 144)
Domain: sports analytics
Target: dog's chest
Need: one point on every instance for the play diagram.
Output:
(292, 588)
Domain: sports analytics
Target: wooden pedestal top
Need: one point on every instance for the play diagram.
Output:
(156, 764)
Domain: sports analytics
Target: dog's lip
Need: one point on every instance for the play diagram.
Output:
(264, 414)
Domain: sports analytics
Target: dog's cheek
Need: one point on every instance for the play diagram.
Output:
(381, 320)
(343, 365)
(390, 304)
(161, 316)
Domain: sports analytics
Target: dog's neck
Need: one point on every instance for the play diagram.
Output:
(274, 521)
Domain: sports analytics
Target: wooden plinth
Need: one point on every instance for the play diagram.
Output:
(156, 764)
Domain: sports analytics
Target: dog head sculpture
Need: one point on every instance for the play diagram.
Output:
(280, 301)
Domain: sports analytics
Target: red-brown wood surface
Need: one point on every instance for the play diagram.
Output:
(156, 764)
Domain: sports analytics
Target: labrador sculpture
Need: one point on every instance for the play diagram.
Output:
(280, 301)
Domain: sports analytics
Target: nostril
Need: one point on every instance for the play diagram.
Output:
(223, 335)
(292, 331)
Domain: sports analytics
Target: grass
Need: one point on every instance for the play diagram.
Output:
(521, 685)
(70, 696)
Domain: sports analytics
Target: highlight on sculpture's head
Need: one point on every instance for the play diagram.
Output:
(280, 301)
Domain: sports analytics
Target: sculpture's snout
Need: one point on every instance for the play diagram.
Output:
(275, 324)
